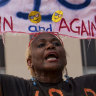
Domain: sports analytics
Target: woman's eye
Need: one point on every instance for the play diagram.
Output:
(41, 45)
(57, 43)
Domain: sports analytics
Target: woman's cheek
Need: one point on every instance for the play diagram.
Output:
(40, 53)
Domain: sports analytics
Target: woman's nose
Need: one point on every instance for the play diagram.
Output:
(50, 46)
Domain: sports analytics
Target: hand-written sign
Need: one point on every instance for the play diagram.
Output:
(78, 20)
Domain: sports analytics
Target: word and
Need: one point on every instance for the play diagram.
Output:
(89, 29)
(33, 28)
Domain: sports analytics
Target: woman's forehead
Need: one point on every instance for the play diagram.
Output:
(45, 36)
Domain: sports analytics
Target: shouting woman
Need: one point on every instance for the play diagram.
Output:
(46, 59)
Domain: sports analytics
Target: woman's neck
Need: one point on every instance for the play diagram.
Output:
(49, 77)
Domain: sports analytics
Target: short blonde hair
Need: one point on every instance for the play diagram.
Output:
(29, 57)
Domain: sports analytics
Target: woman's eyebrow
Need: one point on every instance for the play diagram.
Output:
(41, 40)
(55, 39)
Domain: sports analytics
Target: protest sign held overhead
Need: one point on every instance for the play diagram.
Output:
(77, 18)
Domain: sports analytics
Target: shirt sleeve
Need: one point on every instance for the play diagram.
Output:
(85, 85)
(12, 86)
(86, 81)
(0, 87)
(0, 91)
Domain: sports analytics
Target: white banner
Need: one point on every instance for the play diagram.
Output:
(78, 21)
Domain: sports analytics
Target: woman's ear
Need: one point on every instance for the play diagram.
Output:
(29, 63)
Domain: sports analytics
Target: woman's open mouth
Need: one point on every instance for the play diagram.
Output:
(51, 57)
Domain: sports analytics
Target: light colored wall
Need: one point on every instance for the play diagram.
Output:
(74, 61)
(15, 47)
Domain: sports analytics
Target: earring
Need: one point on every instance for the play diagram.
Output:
(29, 62)
(34, 81)
(66, 75)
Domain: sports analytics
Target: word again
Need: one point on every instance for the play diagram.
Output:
(88, 28)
